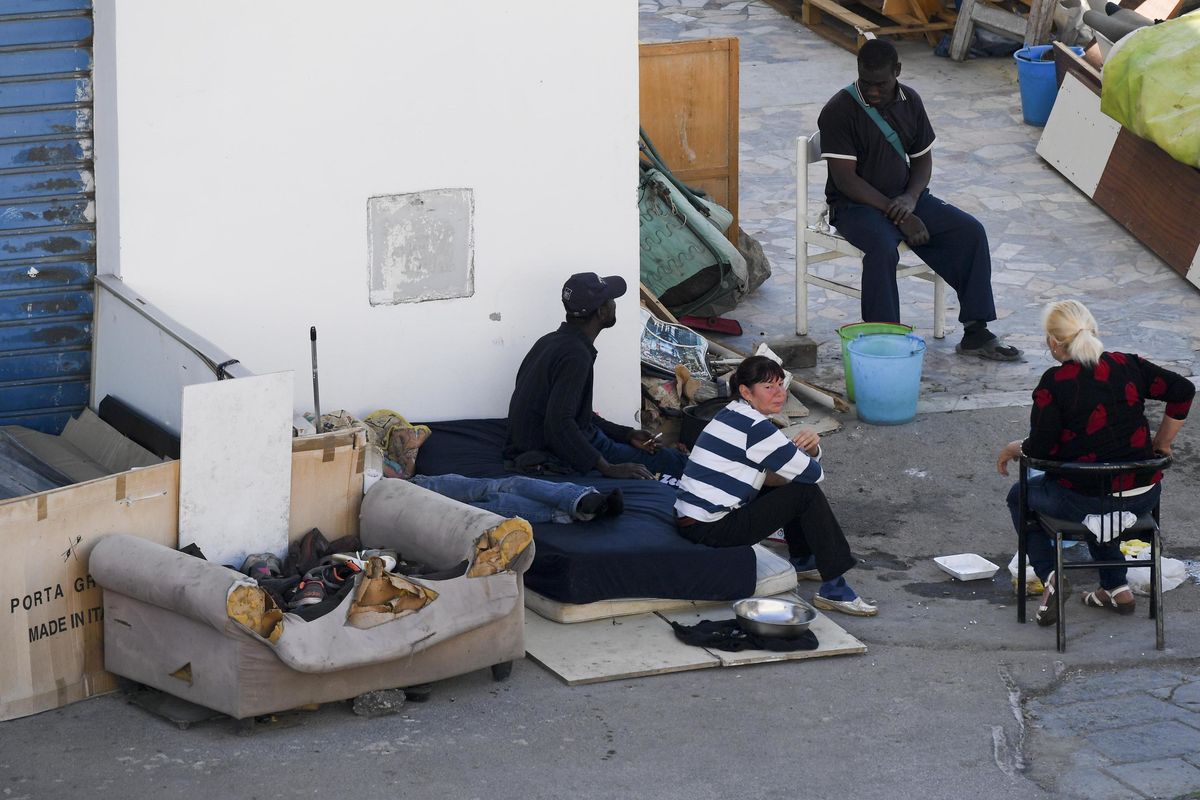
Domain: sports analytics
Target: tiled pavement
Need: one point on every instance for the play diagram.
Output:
(1126, 734)
(1132, 733)
(1048, 240)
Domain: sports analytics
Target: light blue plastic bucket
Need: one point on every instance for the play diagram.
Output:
(887, 376)
(1039, 83)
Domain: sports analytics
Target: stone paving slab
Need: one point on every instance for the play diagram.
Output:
(1159, 778)
(1146, 742)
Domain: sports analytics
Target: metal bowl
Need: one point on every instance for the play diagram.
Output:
(774, 617)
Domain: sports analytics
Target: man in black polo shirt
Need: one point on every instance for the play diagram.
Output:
(550, 414)
(878, 142)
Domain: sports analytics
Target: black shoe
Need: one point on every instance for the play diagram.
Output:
(598, 505)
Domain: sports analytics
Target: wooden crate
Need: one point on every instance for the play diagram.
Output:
(850, 23)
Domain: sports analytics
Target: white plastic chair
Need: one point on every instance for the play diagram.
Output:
(808, 151)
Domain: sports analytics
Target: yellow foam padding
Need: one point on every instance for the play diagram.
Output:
(253, 608)
(381, 592)
(499, 547)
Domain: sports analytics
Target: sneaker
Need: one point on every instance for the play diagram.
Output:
(333, 576)
(308, 592)
(262, 565)
(360, 558)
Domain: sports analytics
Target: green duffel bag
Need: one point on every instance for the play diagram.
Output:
(686, 261)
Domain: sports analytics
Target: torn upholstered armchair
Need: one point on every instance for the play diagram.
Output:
(209, 635)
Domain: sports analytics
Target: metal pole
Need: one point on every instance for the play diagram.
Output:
(312, 335)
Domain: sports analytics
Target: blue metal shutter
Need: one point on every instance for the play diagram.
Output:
(47, 216)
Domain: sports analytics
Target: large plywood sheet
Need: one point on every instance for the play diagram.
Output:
(611, 649)
(235, 480)
(51, 647)
(689, 108)
(638, 646)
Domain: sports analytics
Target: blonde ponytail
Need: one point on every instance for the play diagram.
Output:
(1070, 324)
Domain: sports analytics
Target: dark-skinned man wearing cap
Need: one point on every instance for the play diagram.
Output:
(552, 426)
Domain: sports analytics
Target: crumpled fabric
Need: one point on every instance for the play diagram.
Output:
(398, 439)
(1107, 527)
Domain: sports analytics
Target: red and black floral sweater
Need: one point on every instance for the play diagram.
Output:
(1098, 413)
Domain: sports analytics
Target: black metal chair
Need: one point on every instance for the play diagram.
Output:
(1082, 474)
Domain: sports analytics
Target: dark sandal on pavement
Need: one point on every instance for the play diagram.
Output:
(1047, 613)
(991, 350)
(1106, 598)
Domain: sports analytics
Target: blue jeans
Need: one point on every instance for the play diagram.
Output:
(957, 250)
(667, 460)
(530, 499)
(1048, 497)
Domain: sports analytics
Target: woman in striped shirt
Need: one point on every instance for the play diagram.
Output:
(744, 480)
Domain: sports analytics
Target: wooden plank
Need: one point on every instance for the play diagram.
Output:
(843, 14)
(689, 108)
(896, 30)
(655, 306)
(1154, 196)
(1155, 9)
(1066, 62)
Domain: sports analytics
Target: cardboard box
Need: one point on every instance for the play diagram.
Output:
(88, 448)
(51, 642)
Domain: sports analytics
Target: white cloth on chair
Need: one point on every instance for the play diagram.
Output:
(1107, 527)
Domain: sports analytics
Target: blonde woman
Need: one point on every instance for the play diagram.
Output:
(1091, 407)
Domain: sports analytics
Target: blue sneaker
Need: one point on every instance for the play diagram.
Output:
(806, 568)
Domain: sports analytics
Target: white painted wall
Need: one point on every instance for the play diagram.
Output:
(245, 139)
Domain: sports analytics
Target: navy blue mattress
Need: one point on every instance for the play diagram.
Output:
(637, 554)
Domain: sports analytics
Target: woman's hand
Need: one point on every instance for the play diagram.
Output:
(808, 441)
(1010, 452)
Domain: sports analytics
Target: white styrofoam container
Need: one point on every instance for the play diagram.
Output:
(967, 566)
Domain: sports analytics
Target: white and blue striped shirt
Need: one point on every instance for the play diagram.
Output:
(731, 459)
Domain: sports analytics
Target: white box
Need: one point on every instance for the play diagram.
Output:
(967, 566)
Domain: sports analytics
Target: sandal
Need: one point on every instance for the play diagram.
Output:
(1047, 613)
(1106, 598)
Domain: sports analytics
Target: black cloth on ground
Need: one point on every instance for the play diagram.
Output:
(726, 634)
(636, 554)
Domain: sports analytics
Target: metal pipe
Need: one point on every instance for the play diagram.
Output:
(312, 335)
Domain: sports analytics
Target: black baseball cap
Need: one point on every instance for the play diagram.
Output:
(584, 292)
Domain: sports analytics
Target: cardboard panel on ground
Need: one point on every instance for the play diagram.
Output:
(645, 644)
(51, 647)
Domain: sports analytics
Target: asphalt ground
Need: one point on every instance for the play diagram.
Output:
(953, 698)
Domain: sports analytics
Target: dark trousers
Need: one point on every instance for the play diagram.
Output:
(804, 514)
(957, 250)
(1055, 500)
